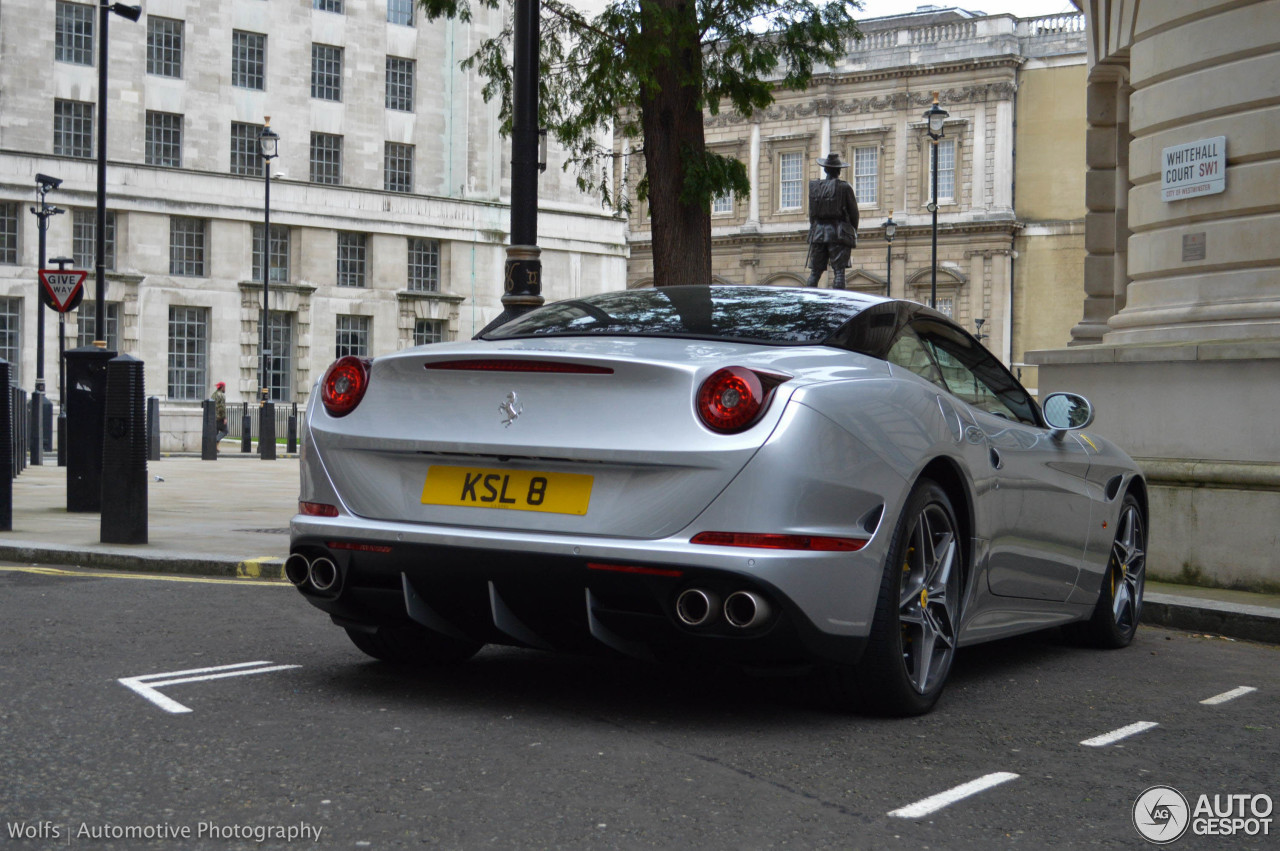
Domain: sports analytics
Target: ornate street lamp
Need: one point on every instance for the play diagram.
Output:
(890, 228)
(268, 147)
(935, 116)
(43, 212)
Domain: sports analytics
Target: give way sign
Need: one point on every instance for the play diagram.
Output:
(63, 288)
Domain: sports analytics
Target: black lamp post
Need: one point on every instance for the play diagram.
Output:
(890, 228)
(43, 211)
(129, 13)
(268, 145)
(935, 116)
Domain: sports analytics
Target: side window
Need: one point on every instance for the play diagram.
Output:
(971, 373)
(909, 353)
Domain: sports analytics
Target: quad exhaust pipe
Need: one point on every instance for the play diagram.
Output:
(319, 574)
(695, 607)
(742, 609)
(745, 609)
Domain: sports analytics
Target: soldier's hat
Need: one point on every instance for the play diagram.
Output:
(832, 161)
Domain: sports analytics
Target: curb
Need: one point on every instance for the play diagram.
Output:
(1195, 614)
(266, 567)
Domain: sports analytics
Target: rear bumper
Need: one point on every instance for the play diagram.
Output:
(576, 602)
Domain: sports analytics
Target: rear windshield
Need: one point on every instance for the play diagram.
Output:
(767, 315)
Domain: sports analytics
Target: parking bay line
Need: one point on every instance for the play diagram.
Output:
(147, 684)
(1122, 733)
(933, 803)
(1228, 695)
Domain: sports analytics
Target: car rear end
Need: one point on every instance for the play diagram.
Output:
(649, 495)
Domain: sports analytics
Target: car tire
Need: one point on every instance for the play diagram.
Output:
(912, 645)
(413, 646)
(1119, 608)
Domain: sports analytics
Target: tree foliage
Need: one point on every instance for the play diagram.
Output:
(651, 68)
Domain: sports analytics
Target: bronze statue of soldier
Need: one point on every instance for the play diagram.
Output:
(833, 223)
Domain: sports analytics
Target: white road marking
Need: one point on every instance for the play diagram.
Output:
(1116, 735)
(147, 684)
(1228, 695)
(936, 802)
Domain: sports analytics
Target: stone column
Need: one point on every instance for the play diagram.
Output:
(1102, 145)
(753, 200)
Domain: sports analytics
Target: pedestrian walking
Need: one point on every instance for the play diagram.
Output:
(220, 409)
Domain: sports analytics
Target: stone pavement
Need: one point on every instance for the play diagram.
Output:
(230, 517)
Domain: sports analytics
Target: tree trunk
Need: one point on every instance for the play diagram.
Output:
(671, 118)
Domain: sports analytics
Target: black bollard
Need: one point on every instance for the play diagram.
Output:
(292, 446)
(62, 435)
(246, 431)
(6, 451)
(209, 431)
(153, 428)
(86, 412)
(267, 431)
(124, 455)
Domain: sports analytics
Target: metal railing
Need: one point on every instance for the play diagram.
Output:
(235, 419)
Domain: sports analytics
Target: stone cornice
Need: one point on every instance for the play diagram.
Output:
(300, 289)
(421, 295)
(867, 237)
(895, 101)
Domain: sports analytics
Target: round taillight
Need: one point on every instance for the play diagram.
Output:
(344, 385)
(730, 399)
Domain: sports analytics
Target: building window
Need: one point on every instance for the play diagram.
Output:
(428, 331)
(84, 232)
(351, 259)
(248, 60)
(946, 172)
(326, 72)
(397, 167)
(424, 265)
(722, 204)
(280, 361)
(245, 159)
(164, 139)
(790, 180)
(9, 232)
(188, 353)
(400, 83)
(87, 324)
(11, 341)
(352, 337)
(400, 12)
(164, 47)
(72, 128)
(945, 306)
(327, 5)
(279, 254)
(866, 175)
(326, 158)
(73, 33)
(186, 246)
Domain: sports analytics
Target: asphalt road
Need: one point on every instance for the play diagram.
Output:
(519, 749)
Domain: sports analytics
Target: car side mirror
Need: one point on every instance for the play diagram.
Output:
(1066, 412)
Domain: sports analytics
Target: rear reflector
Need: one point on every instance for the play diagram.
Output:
(514, 365)
(763, 541)
(357, 547)
(317, 509)
(635, 568)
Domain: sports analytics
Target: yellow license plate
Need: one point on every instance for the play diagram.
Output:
(521, 490)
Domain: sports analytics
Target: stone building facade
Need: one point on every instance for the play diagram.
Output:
(389, 197)
(868, 109)
(1179, 342)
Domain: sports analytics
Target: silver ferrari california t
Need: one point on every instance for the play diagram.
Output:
(777, 478)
